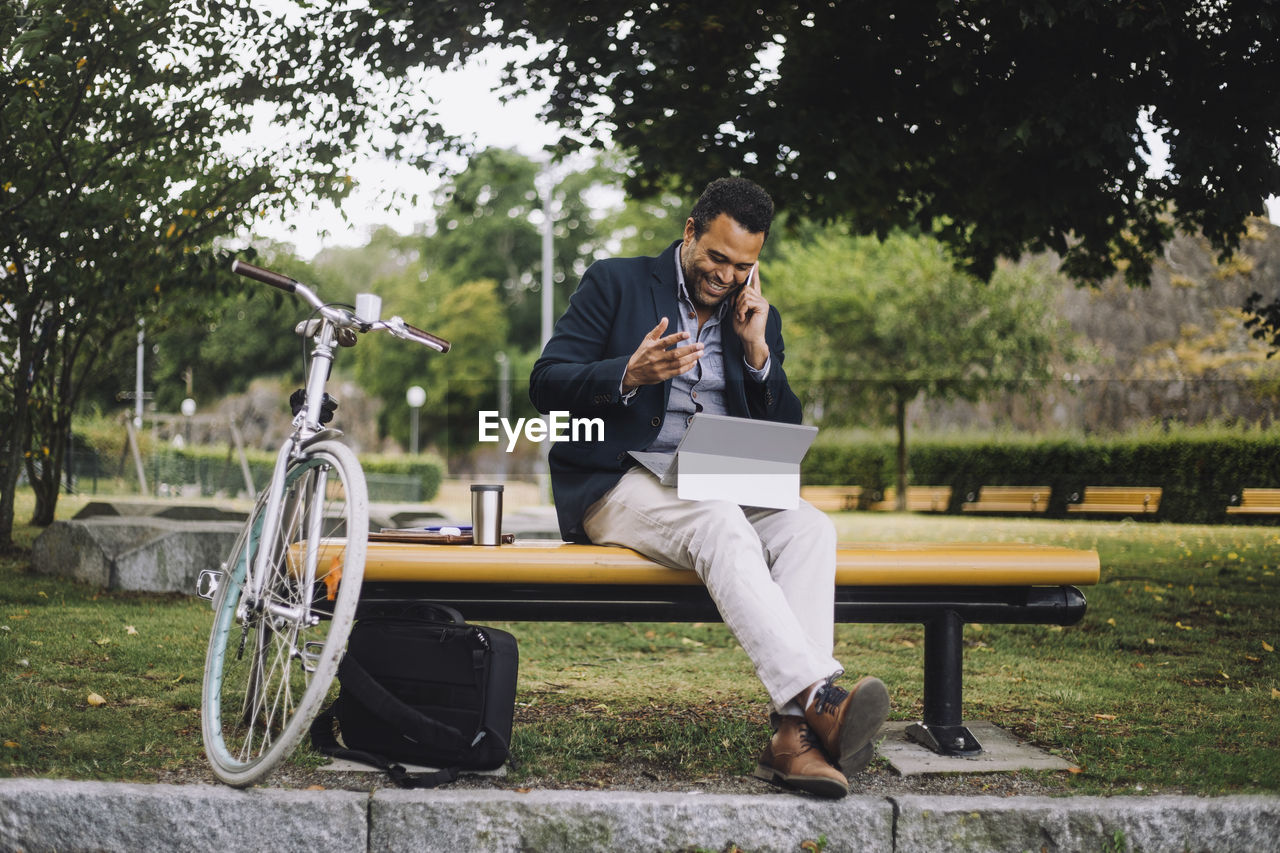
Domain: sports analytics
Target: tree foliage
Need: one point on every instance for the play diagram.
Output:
(872, 325)
(488, 225)
(1000, 127)
(135, 134)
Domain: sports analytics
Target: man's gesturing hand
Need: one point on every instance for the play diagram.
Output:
(654, 361)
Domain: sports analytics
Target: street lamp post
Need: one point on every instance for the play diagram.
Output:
(546, 189)
(188, 411)
(415, 397)
(504, 404)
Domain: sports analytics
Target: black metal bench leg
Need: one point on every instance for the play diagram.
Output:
(942, 729)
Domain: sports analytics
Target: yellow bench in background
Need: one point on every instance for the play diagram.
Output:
(832, 498)
(1257, 502)
(919, 499)
(1122, 500)
(1019, 499)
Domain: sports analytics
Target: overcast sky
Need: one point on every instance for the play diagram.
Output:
(467, 107)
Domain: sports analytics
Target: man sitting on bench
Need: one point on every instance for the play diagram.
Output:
(770, 572)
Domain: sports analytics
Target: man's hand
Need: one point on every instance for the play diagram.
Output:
(655, 362)
(750, 312)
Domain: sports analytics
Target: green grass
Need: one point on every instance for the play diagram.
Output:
(1171, 683)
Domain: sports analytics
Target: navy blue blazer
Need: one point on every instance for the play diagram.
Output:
(619, 302)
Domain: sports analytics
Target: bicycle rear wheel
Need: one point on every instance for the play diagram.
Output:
(271, 662)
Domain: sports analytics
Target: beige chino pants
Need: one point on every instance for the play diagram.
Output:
(771, 573)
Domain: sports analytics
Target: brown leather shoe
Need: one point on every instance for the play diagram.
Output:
(846, 722)
(793, 758)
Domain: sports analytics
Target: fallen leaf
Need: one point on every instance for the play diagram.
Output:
(130, 630)
(1275, 694)
(1151, 641)
(1111, 622)
(102, 641)
(1267, 647)
(689, 642)
(11, 744)
(314, 788)
(334, 576)
(1183, 627)
(95, 700)
(1104, 716)
(1074, 769)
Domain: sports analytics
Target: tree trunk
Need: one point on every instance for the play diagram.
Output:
(19, 430)
(10, 469)
(900, 421)
(46, 482)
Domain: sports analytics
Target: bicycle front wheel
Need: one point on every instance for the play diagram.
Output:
(272, 657)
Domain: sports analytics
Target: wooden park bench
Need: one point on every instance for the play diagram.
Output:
(1118, 500)
(832, 498)
(919, 499)
(1020, 499)
(1256, 502)
(941, 586)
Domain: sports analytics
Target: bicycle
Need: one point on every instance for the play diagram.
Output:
(285, 599)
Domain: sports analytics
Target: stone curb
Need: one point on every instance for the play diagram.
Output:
(42, 814)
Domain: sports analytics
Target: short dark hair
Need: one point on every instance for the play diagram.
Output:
(745, 202)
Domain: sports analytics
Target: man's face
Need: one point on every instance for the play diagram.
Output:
(718, 262)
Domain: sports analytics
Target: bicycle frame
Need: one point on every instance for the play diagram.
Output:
(307, 427)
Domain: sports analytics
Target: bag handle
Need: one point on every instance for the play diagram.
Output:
(384, 705)
(323, 740)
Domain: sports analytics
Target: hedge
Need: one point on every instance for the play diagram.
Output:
(1200, 473)
(218, 470)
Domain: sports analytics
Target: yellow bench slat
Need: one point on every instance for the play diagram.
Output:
(872, 564)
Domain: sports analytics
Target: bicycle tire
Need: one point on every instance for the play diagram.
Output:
(266, 676)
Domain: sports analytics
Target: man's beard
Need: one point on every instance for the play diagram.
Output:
(693, 284)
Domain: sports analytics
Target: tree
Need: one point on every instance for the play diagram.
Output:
(488, 225)
(208, 345)
(999, 127)
(872, 325)
(120, 167)
(458, 384)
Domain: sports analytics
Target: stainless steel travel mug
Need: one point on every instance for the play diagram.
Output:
(486, 515)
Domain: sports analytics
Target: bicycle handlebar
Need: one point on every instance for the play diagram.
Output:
(396, 326)
(266, 276)
(426, 338)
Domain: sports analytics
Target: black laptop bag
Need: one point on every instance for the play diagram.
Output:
(420, 686)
